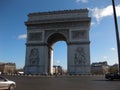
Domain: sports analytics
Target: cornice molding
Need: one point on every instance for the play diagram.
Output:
(59, 12)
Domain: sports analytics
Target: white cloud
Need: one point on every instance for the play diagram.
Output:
(112, 49)
(57, 62)
(105, 57)
(92, 23)
(22, 36)
(83, 1)
(100, 13)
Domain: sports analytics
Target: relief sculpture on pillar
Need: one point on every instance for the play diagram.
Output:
(34, 56)
(79, 56)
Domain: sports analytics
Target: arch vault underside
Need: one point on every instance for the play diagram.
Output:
(46, 28)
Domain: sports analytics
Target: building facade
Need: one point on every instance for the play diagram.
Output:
(113, 68)
(99, 68)
(44, 29)
(57, 70)
(7, 68)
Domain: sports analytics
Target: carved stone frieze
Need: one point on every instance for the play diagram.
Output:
(35, 36)
(77, 35)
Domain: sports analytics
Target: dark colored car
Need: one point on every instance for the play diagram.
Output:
(7, 84)
(112, 76)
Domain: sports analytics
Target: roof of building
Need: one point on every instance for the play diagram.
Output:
(99, 64)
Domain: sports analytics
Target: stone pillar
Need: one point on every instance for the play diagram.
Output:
(79, 52)
(78, 59)
(36, 59)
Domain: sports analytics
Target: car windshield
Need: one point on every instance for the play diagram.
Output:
(2, 79)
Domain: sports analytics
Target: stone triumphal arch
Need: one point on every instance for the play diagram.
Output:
(46, 28)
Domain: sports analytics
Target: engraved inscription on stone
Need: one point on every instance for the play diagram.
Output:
(34, 56)
(76, 35)
(79, 56)
(35, 36)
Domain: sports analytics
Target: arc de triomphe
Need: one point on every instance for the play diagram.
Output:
(44, 29)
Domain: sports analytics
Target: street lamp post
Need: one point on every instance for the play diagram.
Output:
(117, 34)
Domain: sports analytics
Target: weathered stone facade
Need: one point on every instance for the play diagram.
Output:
(46, 28)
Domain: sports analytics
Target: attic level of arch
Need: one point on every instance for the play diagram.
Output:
(63, 24)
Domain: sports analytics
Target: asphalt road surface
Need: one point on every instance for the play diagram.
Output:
(64, 83)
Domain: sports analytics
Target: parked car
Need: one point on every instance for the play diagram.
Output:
(112, 76)
(7, 84)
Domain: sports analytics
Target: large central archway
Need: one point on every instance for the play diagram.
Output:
(52, 39)
(56, 37)
(46, 28)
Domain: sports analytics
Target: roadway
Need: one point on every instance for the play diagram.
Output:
(64, 83)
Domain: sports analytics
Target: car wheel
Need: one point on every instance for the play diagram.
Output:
(110, 78)
(12, 87)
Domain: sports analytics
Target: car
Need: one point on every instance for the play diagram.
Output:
(112, 76)
(7, 84)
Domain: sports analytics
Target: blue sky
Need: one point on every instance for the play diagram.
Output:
(13, 14)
